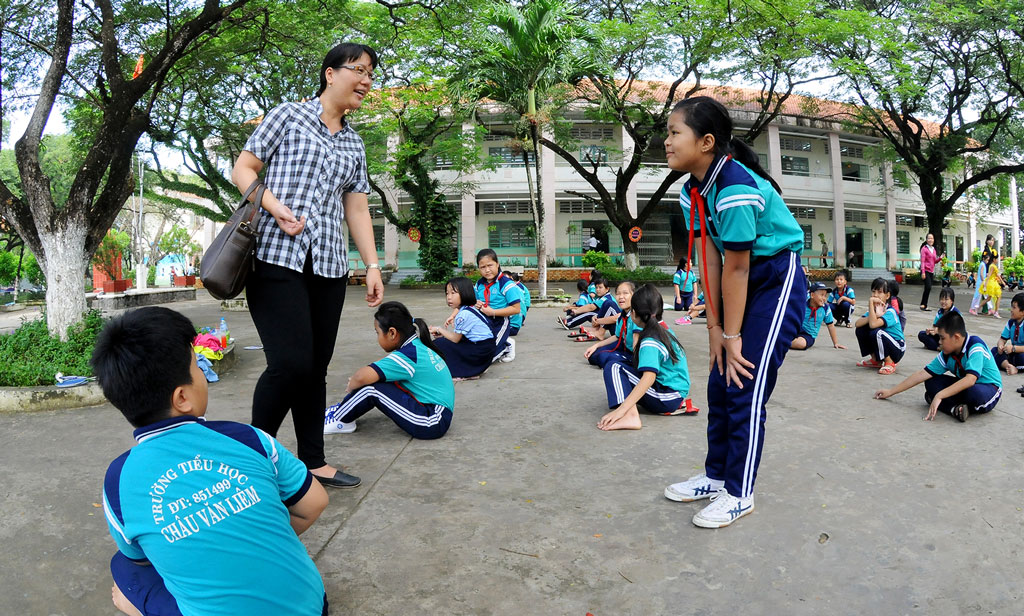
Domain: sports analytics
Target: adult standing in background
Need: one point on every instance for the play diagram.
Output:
(316, 178)
(928, 260)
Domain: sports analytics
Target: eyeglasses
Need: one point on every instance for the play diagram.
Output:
(359, 70)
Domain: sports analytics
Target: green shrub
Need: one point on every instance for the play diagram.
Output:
(30, 356)
(640, 275)
(594, 259)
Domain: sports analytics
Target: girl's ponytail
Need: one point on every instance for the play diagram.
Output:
(425, 337)
(395, 314)
(647, 304)
(746, 155)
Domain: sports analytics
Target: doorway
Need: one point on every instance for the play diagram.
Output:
(959, 248)
(855, 246)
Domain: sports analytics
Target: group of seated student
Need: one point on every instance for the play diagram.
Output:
(929, 337)
(1009, 351)
(595, 318)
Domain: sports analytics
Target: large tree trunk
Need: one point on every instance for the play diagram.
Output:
(64, 265)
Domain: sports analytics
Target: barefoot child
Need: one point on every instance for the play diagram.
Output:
(620, 346)
(879, 333)
(412, 385)
(1009, 351)
(842, 299)
(975, 385)
(660, 381)
(930, 337)
(755, 291)
(816, 314)
(469, 348)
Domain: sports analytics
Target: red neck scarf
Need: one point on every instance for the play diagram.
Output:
(697, 205)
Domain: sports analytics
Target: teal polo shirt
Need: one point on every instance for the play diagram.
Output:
(685, 280)
(583, 300)
(744, 212)
(974, 358)
(892, 325)
(501, 293)
(941, 313)
(1014, 332)
(652, 356)
(631, 328)
(206, 503)
(814, 318)
(420, 371)
(835, 294)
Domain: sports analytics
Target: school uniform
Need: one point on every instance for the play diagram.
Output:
(526, 303)
(745, 213)
(841, 311)
(415, 390)
(897, 305)
(1014, 332)
(884, 341)
(502, 292)
(931, 341)
(474, 353)
(684, 280)
(591, 291)
(605, 306)
(622, 350)
(814, 318)
(700, 300)
(974, 358)
(672, 379)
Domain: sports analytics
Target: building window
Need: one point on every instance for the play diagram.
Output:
(903, 242)
(851, 151)
(904, 221)
(796, 165)
(855, 216)
(593, 154)
(378, 240)
(807, 236)
(763, 159)
(510, 234)
(803, 212)
(508, 157)
(593, 133)
(855, 173)
(504, 207)
(794, 144)
(443, 162)
(579, 206)
(881, 219)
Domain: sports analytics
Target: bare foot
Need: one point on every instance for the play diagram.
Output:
(1011, 369)
(122, 603)
(616, 421)
(326, 471)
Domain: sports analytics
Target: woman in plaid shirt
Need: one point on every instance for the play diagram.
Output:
(316, 178)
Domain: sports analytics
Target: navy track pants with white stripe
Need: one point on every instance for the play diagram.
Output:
(580, 319)
(980, 397)
(619, 381)
(422, 421)
(879, 344)
(776, 296)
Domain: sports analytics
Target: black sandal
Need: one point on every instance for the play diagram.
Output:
(961, 412)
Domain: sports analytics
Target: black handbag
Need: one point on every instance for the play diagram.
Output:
(229, 259)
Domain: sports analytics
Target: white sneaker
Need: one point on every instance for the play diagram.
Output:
(723, 511)
(510, 352)
(332, 425)
(694, 488)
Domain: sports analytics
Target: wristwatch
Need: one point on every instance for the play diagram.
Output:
(371, 266)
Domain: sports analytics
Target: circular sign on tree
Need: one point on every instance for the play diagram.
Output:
(414, 234)
(635, 234)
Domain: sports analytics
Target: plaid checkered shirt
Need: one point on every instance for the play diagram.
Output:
(309, 170)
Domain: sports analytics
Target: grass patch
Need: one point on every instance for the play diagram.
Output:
(30, 356)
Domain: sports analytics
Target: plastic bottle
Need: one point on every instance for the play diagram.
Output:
(222, 332)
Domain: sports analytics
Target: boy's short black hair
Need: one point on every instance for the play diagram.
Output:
(1018, 301)
(600, 280)
(952, 323)
(881, 284)
(140, 358)
(845, 273)
(464, 287)
(581, 285)
(947, 292)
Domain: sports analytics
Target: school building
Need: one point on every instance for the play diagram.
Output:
(822, 164)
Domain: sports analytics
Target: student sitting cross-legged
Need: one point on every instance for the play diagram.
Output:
(930, 337)
(660, 380)
(412, 385)
(879, 333)
(1009, 351)
(816, 313)
(469, 348)
(205, 514)
(599, 307)
(975, 385)
(618, 347)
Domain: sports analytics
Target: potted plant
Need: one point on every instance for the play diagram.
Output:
(108, 259)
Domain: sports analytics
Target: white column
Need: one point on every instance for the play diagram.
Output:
(1014, 218)
(547, 195)
(628, 145)
(391, 239)
(774, 153)
(890, 218)
(972, 223)
(468, 228)
(838, 200)
(390, 244)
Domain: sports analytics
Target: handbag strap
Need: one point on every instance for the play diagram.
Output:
(257, 205)
(248, 191)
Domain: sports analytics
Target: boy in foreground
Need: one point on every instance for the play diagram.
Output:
(975, 385)
(205, 514)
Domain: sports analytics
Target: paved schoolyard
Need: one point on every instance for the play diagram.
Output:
(526, 508)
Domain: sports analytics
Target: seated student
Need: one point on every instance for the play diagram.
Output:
(582, 300)
(499, 299)
(879, 333)
(469, 348)
(205, 514)
(842, 299)
(620, 346)
(975, 385)
(930, 337)
(583, 314)
(526, 299)
(816, 313)
(592, 287)
(682, 282)
(897, 302)
(660, 382)
(411, 385)
(1009, 351)
(697, 308)
(970, 280)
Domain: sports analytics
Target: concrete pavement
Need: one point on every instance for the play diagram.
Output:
(526, 508)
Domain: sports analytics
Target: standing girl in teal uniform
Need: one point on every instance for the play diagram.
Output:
(755, 291)
(412, 385)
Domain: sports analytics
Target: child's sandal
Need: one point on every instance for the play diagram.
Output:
(869, 363)
(961, 412)
(887, 369)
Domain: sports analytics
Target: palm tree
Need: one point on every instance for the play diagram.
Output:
(525, 53)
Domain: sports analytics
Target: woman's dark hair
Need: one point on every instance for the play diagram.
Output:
(395, 314)
(925, 242)
(581, 285)
(487, 252)
(344, 53)
(140, 358)
(647, 304)
(464, 287)
(880, 284)
(947, 292)
(706, 116)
